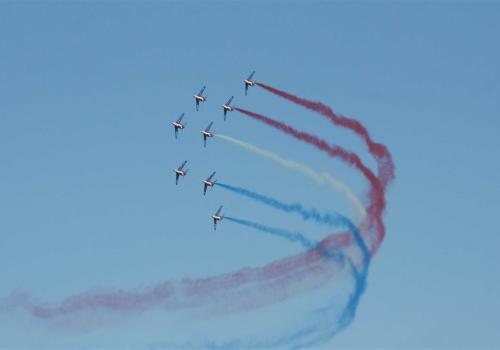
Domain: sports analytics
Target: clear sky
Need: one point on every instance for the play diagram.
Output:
(87, 193)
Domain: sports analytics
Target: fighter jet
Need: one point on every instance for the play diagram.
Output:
(207, 133)
(217, 217)
(249, 82)
(178, 125)
(180, 172)
(208, 183)
(200, 98)
(226, 107)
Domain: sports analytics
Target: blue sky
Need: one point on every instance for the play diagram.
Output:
(88, 197)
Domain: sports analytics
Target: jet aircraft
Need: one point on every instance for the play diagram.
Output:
(226, 107)
(217, 217)
(178, 125)
(249, 82)
(200, 98)
(180, 172)
(207, 133)
(208, 183)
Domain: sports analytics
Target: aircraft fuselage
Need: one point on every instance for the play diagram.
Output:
(199, 98)
(207, 134)
(248, 82)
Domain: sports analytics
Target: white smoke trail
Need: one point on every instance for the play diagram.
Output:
(322, 178)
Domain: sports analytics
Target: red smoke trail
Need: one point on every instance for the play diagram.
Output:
(376, 193)
(377, 150)
(289, 272)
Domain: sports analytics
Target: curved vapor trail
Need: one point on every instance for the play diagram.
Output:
(323, 329)
(321, 178)
(376, 193)
(378, 150)
(331, 219)
(313, 334)
(289, 272)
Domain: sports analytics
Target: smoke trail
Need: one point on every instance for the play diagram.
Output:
(376, 193)
(291, 236)
(294, 237)
(328, 322)
(320, 178)
(324, 330)
(385, 176)
(331, 219)
(186, 293)
(377, 150)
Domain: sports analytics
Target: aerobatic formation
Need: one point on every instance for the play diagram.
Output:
(332, 270)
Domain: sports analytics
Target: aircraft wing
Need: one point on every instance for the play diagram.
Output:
(183, 164)
(210, 177)
(251, 76)
(209, 126)
(201, 91)
(176, 178)
(229, 101)
(204, 189)
(218, 211)
(180, 118)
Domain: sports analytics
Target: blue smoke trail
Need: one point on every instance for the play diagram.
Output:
(313, 335)
(349, 311)
(330, 219)
(324, 330)
(294, 237)
(291, 236)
